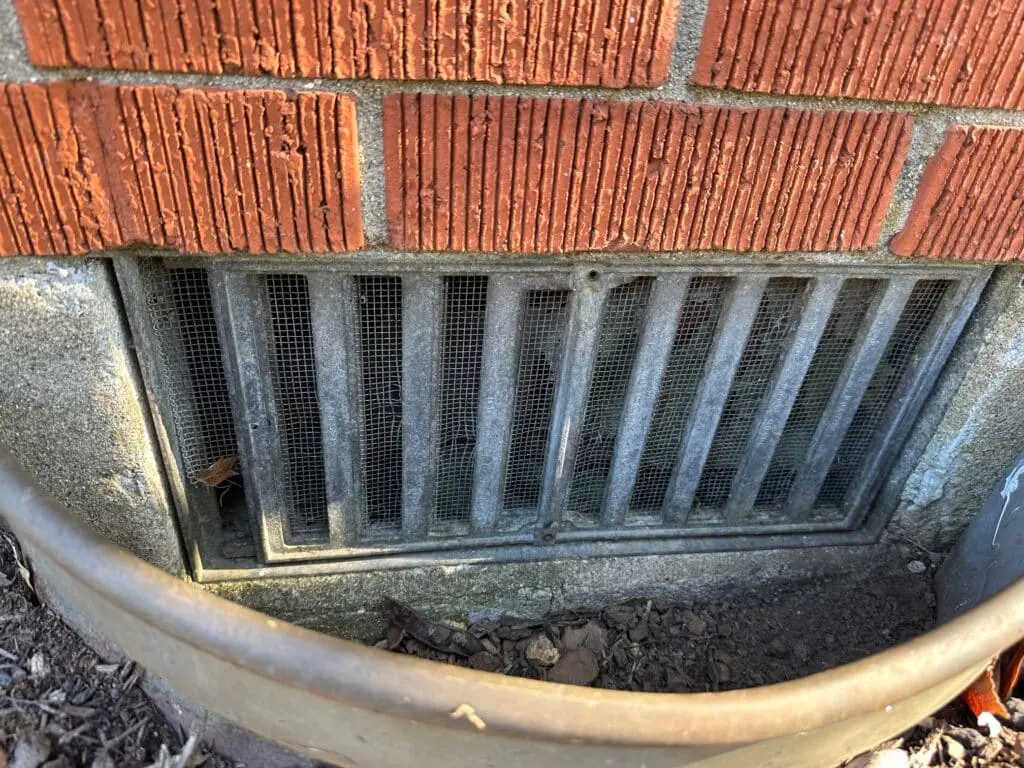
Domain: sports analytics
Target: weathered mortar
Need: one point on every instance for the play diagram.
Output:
(71, 403)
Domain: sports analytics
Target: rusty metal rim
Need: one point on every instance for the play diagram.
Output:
(416, 689)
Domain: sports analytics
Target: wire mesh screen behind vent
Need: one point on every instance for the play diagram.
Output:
(191, 367)
(409, 411)
(462, 349)
(296, 411)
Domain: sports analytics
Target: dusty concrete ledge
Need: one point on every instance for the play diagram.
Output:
(348, 605)
(71, 403)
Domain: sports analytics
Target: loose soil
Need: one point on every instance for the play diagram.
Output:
(61, 705)
(781, 631)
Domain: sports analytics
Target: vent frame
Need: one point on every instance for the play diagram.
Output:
(234, 283)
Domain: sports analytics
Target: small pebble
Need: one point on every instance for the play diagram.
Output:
(591, 635)
(954, 749)
(916, 566)
(103, 760)
(969, 737)
(695, 625)
(1016, 709)
(640, 632)
(31, 751)
(540, 650)
(574, 637)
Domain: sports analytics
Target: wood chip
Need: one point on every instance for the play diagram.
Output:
(82, 713)
(440, 637)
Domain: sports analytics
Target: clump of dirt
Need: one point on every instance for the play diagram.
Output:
(61, 705)
(780, 631)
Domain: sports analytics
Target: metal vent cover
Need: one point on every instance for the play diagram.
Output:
(410, 409)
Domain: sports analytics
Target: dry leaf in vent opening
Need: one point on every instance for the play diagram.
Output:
(219, 471)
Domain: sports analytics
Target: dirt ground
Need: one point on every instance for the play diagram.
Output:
(61, 706)
(779, 632)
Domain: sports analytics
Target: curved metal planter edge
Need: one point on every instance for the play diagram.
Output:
(357, 706)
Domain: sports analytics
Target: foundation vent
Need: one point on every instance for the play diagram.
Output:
(507, 411)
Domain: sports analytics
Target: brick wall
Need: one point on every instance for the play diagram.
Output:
(552, 126)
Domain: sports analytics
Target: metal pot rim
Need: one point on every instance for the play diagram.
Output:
(330, 668)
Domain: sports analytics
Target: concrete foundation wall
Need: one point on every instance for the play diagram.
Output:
(971, 433)
(349, 604)
(72, 406)
(72, 409)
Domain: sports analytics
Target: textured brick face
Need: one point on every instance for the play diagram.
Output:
(612, 43)
(554, 175)
(968, 53)
(970, 204)
(86, 167)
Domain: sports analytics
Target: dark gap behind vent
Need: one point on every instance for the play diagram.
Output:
(695, 333)
(545, 314)
(766, 346)
(211, 436)
(837, 342)
(462, 346)
(191, 361)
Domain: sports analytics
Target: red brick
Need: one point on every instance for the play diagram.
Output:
(967, 53)
(613, 43)
(87, 168)
(573, 175)
(970, 203)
